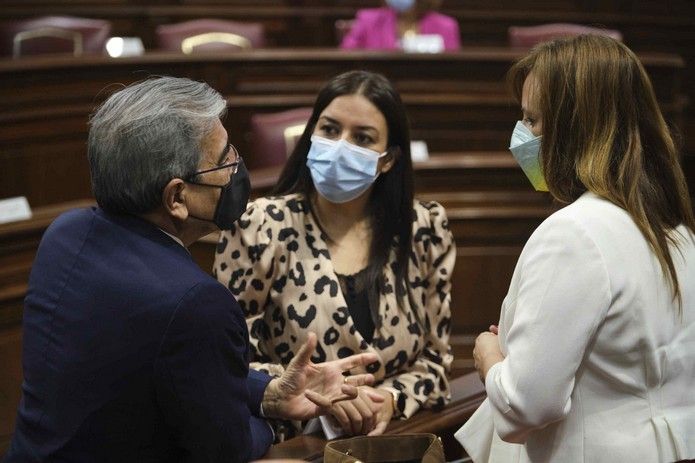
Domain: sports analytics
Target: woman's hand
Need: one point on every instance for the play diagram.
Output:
(486, 352)
(383, 417)
(361, 415)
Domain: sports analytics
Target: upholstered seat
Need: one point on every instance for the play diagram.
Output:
(274, 135)
(53, 34)
(209, 35)
(529, 36)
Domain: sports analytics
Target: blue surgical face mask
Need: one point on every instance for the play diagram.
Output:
(401, 5)
(340, 170)
(526, 148)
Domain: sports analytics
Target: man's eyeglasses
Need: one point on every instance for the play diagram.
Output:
(234, 164)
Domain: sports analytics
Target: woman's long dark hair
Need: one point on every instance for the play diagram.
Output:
(390, 207)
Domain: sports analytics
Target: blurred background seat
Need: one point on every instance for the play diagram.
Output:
(209, 35)
(274, 135)
(529, 36)
(53, 34)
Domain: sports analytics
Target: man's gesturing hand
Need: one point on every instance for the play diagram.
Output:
(307, 389)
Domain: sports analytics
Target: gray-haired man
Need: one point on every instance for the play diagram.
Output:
(131, 351)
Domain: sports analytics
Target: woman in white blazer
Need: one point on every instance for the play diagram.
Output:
(594, 357)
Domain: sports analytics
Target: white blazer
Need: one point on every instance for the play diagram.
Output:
(599, 366)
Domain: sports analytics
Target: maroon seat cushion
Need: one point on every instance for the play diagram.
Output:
(271, 141)
(53, 35)
(531, 35)
(171, 36)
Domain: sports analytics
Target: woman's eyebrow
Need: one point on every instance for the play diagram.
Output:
(329, 119)
(360, 127)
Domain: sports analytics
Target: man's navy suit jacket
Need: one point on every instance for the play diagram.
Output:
(132, 352)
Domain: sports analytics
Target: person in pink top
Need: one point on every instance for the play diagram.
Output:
(384, 28)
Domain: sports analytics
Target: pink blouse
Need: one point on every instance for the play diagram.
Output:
(376, 28)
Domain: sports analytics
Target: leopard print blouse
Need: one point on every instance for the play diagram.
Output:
(276, 263)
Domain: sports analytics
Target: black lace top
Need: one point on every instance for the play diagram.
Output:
(358, 303)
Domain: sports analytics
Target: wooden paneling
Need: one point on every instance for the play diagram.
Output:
(10, 379)
(688, 164)
(456, 102)
(645, 25)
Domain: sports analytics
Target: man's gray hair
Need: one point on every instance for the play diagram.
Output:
(145, 135)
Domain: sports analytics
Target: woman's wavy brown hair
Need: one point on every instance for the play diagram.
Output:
(603, 131)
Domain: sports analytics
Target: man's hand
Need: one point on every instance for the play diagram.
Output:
(486, 353)
(306, 390)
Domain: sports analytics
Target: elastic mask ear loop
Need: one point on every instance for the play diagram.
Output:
(217, 206)
(378, 173)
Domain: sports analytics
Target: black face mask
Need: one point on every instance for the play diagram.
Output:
(233, 198)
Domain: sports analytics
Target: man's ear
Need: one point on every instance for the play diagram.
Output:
(389, 160)
(174, 199)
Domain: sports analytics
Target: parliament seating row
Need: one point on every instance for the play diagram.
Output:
(645, 25)
(287, 21)
(456, 102)
(77, 36)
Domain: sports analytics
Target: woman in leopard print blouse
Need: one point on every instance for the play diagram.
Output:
(324, 255)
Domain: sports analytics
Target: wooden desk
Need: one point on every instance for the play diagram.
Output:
(455, 101)
(467, 393)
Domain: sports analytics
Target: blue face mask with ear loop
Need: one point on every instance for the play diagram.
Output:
(526, 148)
(340, 170)
(401, 5)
